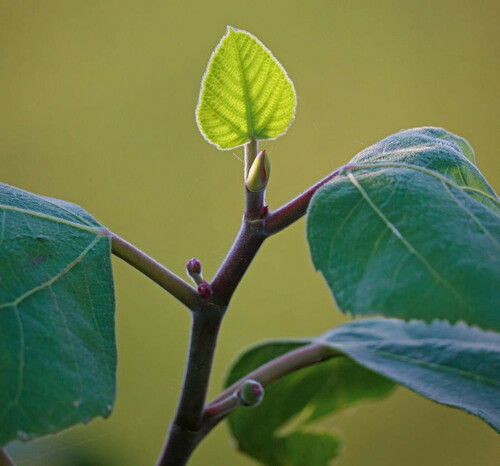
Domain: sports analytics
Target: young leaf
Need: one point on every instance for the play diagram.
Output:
(410, 229)
(280, 431)
(245, 93)
(57, 343)
(455, 365)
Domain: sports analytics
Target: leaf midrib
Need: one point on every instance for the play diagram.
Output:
(436, 366)
(394, 230)
(34, 213)
(244, 85)
(418, 362)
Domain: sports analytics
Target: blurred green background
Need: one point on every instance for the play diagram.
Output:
(97, 107)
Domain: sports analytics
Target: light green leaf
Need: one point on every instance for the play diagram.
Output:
(410, 229)
(57, 343)
(245, 93)
(281, 431)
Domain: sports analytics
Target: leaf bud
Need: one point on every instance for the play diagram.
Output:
(258, 175)
(250, 393)
(193, 266)
(264, 211)
(204, 290)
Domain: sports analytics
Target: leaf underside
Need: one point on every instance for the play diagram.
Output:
(285, 432)
(57, 342)
(245, 94)
(454, 365)
(411, 229)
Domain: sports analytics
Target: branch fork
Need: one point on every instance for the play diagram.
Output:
(208, 303)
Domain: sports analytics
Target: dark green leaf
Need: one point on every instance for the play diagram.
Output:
(280, 431)
(454, 365)
(411, 229)
(57, 344)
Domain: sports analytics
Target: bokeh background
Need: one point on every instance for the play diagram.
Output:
(97, 107)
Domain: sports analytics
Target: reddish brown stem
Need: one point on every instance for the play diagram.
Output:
(191, 422)
(5, 459)
(296, 208)
(278, 368)
(225, 403)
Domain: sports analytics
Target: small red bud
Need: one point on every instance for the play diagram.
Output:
(264, 211)
(193, 266)
(204, 290)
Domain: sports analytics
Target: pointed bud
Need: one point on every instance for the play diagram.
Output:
(193, 266)
(258, 175)
(250, 393)
(204, 290)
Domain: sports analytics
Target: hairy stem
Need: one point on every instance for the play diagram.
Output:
(168, 280)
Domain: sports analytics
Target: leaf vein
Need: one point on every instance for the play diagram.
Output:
(56, 277)
(405, 242)
(474, 218)
(35, 214)
(440, 367)
(226, 120)
(70, 340)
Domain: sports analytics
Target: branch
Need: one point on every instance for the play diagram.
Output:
(168, 280)
(296, 208)
(245, 247)
(5, 459)
(191, 422)
(185, 430)
(183, 434)
(254, 201)
(226, 402)
(277, 369)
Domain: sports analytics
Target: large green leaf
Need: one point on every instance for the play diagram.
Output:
(454, 365)
(57, 343)
(411, 229)
(280, 431)
(245, 93)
